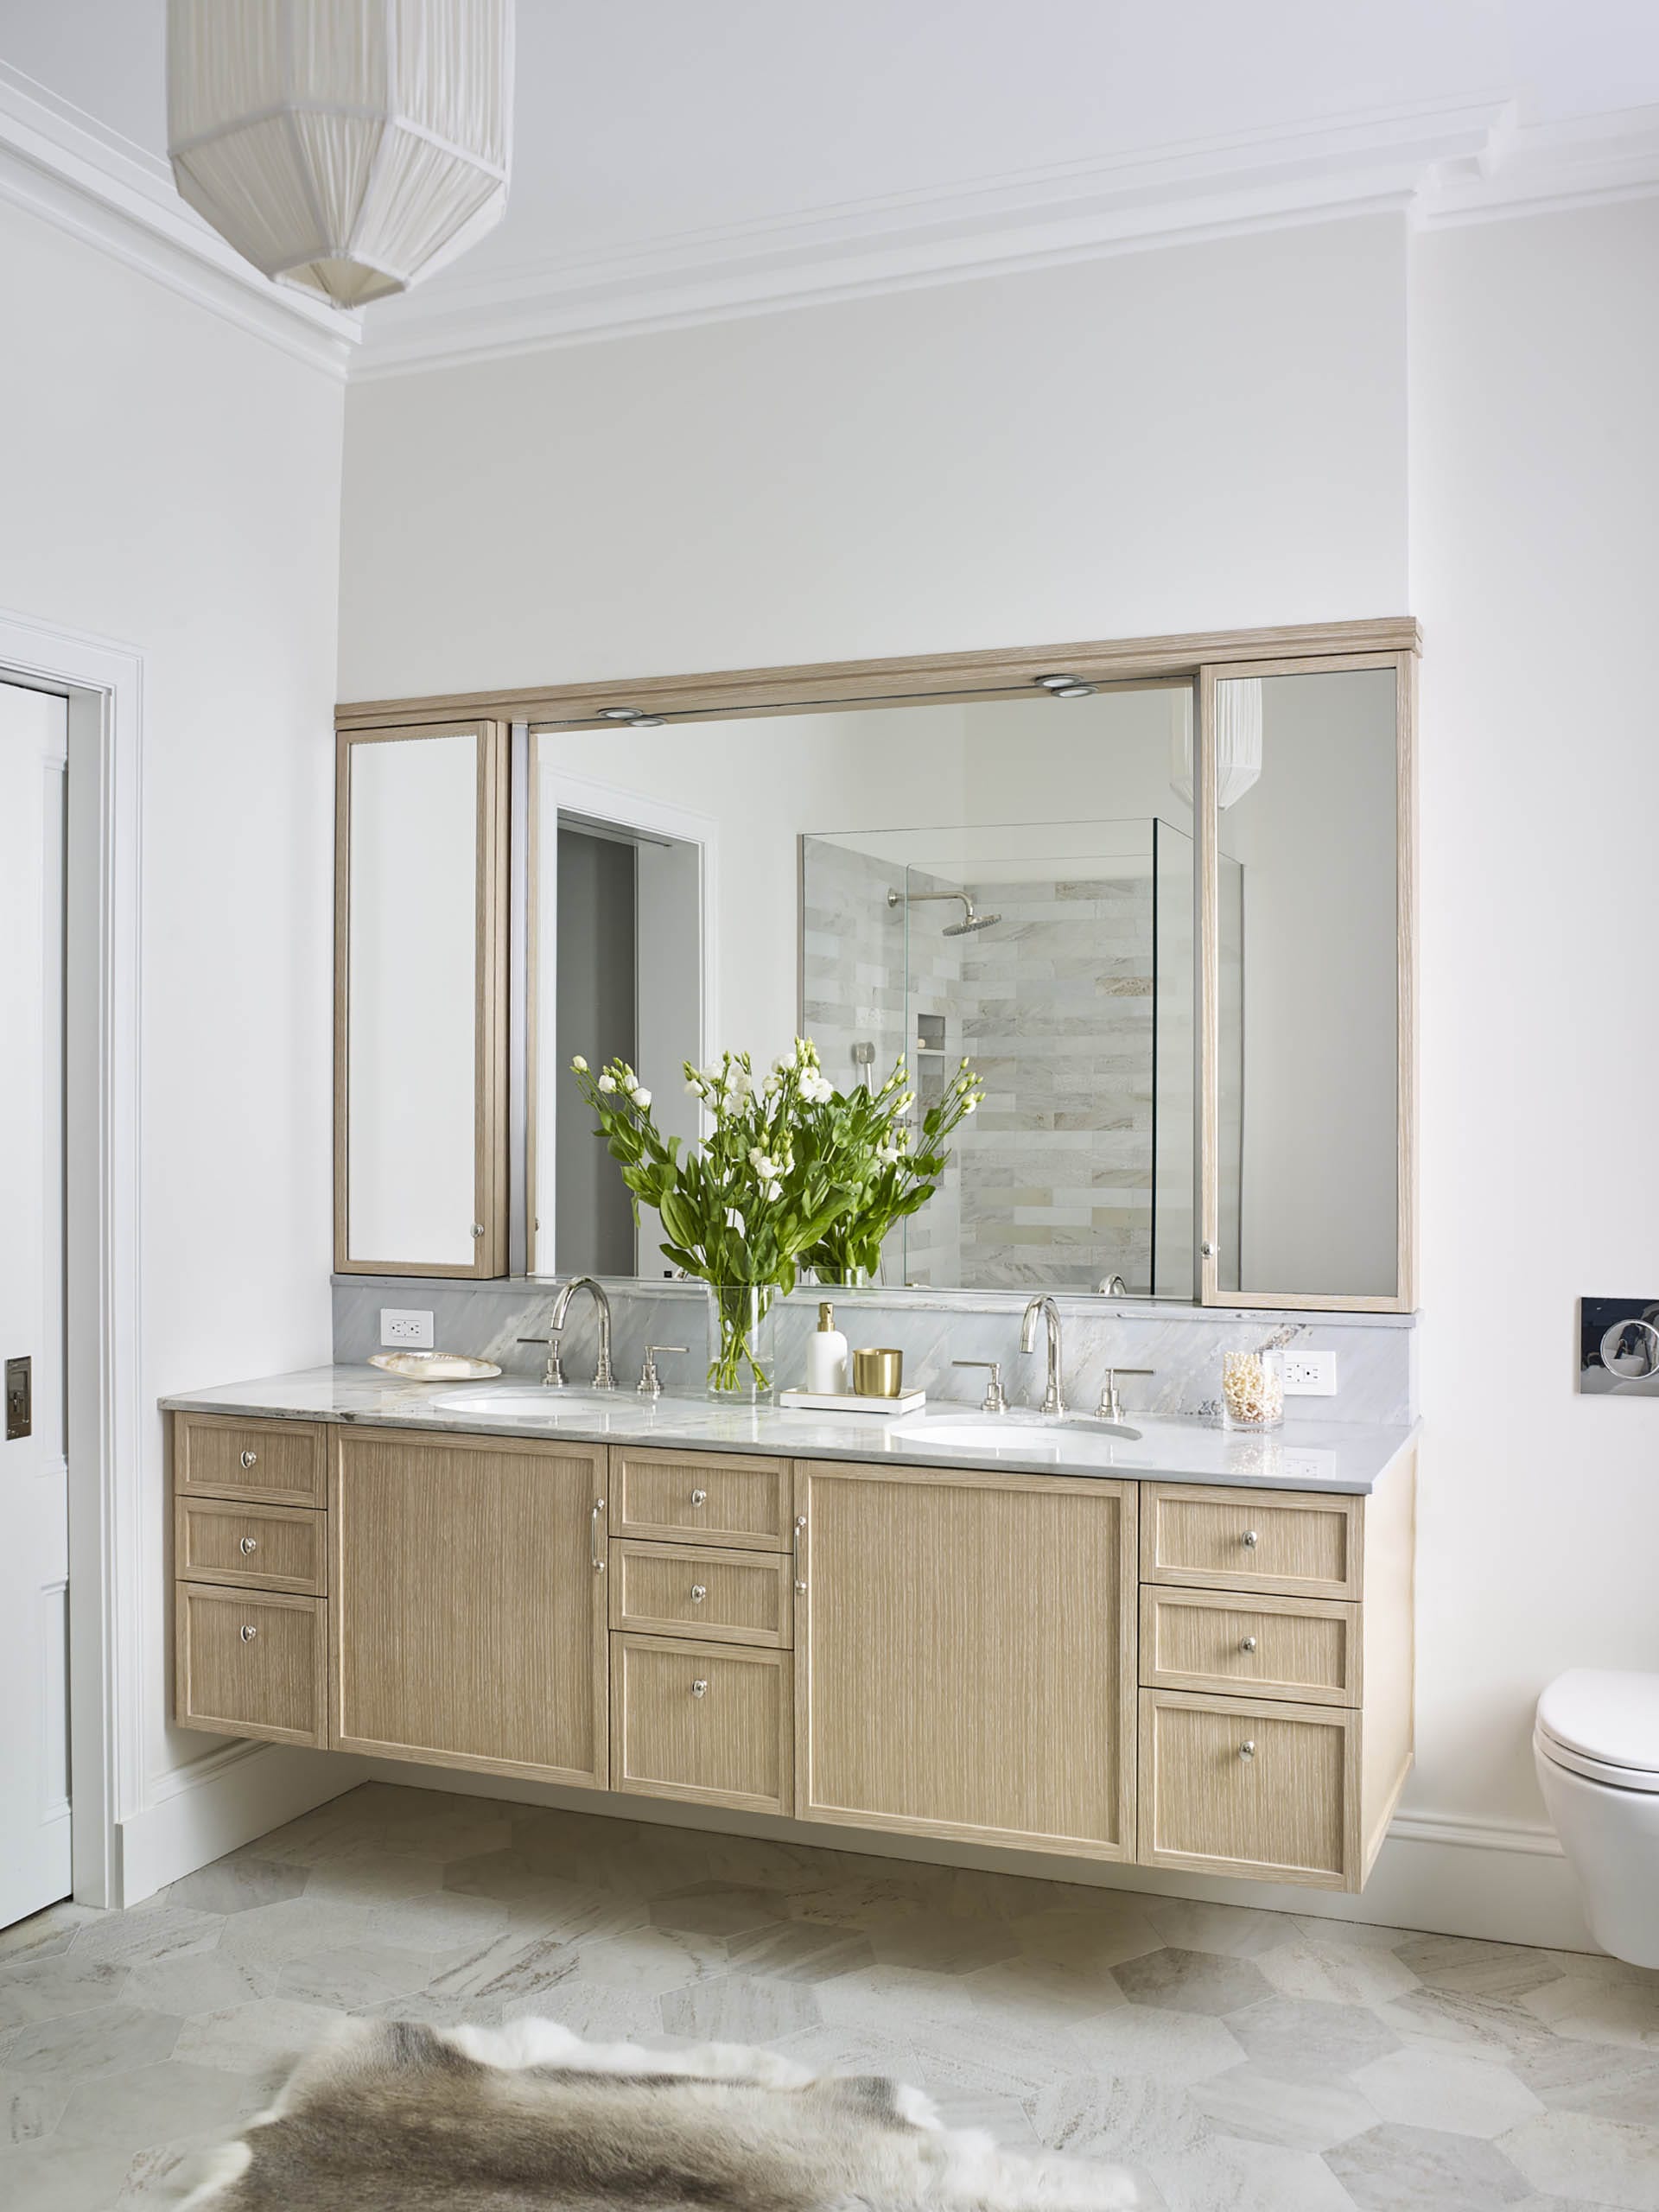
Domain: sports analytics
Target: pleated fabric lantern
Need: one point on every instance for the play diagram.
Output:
(1238, 741)
(346, 147)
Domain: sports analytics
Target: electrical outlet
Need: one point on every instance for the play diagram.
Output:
(412, 1330)
(1310, 1375)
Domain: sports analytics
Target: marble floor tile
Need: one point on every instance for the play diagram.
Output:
(1233, 2060)
(1394, 2166)
(1425, 2088)
(1607, 2160)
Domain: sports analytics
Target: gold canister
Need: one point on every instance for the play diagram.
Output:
(877, 1371)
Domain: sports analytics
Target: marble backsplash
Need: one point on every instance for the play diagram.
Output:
(1181, 1345)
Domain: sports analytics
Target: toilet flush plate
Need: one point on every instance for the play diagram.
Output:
(1618, 1347)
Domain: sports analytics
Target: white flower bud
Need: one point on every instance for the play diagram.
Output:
(580, 1064)
(607, 1082)
(641, 1096)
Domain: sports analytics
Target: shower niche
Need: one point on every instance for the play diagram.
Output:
(1057, 956)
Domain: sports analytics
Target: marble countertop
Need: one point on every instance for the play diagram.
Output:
(1351, 1457)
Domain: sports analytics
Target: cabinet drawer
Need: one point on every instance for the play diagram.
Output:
(280, 1462)
(252, 1666)
(1236, 1786)
(688, 1590)
(741, 1504)
(257, 1547)
(1295, 1647)
(1306, 1545)
(707, 1721)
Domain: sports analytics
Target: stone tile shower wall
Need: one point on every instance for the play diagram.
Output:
(1057, 1015)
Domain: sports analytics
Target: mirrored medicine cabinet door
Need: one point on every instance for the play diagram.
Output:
(420, 981)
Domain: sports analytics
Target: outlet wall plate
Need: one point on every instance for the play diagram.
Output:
(1310, 1374)
(405, 1328)
(1624, 1331)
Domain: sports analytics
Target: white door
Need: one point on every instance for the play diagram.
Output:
(34, 1473)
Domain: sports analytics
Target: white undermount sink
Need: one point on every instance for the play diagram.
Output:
(526, 1404)
(1005, 1433)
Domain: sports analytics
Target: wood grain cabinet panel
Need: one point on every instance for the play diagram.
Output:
(705, 1722)
(1238, 1786)
(1297, 1649)
(964, 1653)
(687, 1590)
(256, 1547)
(738, 1503)
(252, 1664)
(466, 1589)
(280, 1462)
(1302, 1543)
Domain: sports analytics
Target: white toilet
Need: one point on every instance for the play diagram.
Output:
(1597, 1746)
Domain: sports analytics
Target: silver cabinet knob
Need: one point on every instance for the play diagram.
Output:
(699, 1497)
(1249, 1644)
(698, 1593)
(1250, 1538)
(1210, 1250)
(699, 1689)
(249, 1458)
(250, 1545)
(1247, 1749)
(249, 1632)
(478, 1229)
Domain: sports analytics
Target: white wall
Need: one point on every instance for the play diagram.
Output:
(172, 483)
(1535, 575)
(1211, 434)
(1163, 442)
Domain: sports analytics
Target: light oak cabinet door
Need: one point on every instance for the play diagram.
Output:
(706, 1722)
(468, 1620)
(280, 1462)
(1236, 1786)
(252, 1664)
(965, 1656)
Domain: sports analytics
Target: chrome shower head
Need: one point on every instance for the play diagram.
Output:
(970, 920)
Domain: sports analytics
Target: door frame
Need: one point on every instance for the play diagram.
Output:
(108, 1616)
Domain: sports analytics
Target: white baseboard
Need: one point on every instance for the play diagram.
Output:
(216, 1804)
(1445, 1874)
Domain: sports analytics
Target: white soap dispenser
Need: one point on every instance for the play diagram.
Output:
(826, 1357)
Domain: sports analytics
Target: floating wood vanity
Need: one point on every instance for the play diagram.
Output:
(1213, 1679)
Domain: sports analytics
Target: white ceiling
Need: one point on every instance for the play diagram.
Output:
(675, 159)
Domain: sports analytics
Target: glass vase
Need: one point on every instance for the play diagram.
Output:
(743, 1341)
(1253, 1389)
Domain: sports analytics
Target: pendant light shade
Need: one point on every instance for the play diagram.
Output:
(346, 147)
(1238, 741)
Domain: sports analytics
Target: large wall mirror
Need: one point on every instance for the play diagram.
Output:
(1165, 917)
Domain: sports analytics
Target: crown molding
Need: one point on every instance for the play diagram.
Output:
(1538, 168)
(63, 166)
(1212, 188)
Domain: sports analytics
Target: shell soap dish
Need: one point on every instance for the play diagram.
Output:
(435, 1366)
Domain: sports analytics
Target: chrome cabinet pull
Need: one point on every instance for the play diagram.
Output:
(699, 1689)
(1247, 1749)
(699, 1497)
(594, 1553)
(250, 1545)
(1250, 1538)
(698, 1593)
(249, 1458)
(799, 1529)
(1249, 1644)
(249, 1632)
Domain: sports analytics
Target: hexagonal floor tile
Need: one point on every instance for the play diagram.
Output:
(1304, 2040)
(47, 1989)
(153, 2103)
(1444, 2090)
(1472, 1969)
(1147, 2039)
(237, 1883)
(739, 2008)
(110, 2040)
(1246, 2102)
(1599, 2012)
(1606, 2160)
(353, 1974)
(1397, 2169)
(1339, 1974)
(718, 1909)
(253, 2039)
(1192, 1981)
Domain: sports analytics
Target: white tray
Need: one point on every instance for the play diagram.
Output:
(908, 1401)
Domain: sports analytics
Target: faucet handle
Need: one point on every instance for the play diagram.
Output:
(553, 1377)
(650, 1385)
(1111, 1406)
(995, 1400)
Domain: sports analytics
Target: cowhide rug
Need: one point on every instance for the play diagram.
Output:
(389, 2117)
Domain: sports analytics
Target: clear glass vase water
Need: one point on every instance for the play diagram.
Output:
(743, 1341)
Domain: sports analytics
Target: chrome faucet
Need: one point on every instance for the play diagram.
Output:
(1054, 1396)
(553, 1378)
